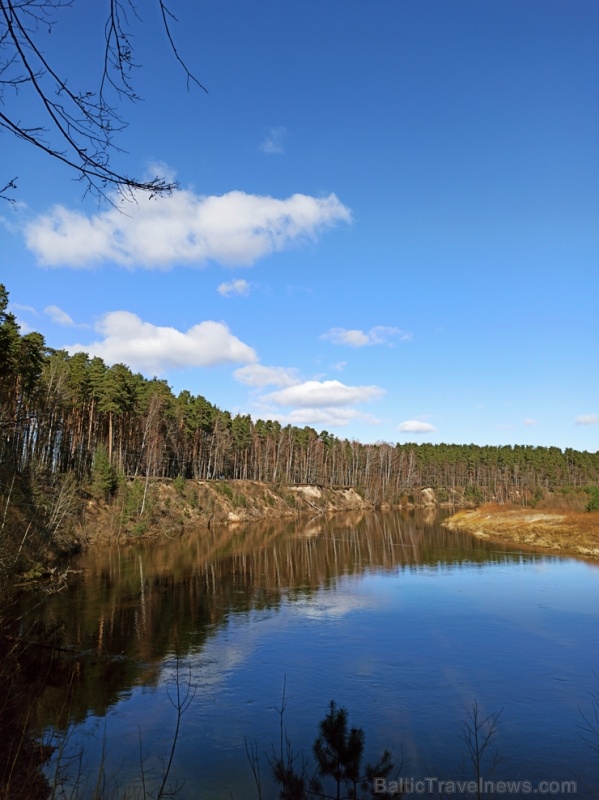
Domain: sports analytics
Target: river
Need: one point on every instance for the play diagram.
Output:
(388, 614)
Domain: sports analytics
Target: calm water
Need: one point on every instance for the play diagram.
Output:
(401, 622)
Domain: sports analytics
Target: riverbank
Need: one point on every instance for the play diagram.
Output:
(566, 532)
(169, 507)
(45, 522)
(161, 506)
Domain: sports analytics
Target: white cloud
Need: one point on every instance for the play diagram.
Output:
(328, 417)
(318, 394)
(319, 403)
(588, 419)
(59, 316)
(259, 375)
(339, 366)
(324, 605)
(529, 422)
(21, 307)
(353, 338)
(380, 334)
(233, 229)
(273, 144)
(24, 327)
(415, 426)
(313, 402)
(153, 349)
(238, 286)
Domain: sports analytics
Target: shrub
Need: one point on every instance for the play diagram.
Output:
(104, 476)
(442, 495)
(473, 494)
(225, 490)
(239, 500)
(593, 492)
(179, 485)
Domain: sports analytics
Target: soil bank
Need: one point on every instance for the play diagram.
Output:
(568, 532)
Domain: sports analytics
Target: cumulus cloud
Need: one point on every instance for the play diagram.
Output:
(313, 402)
(238, 286)
(588, 419)
(415, 426)
(321, 394)
(259, 375)
(321, 403)
(153, 349)
(232, 229)
(59, 316)
(380, 334)
(273, 144)
(328, 417)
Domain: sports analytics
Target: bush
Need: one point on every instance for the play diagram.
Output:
(179, 485)
(338, 751)
(104, 476)
(593, 492)
(225, 490)
(473, 494)
(442, 495)
(138, 502)
(537, 497)
(239, 500)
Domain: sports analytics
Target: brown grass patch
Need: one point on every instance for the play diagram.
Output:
(568, 532)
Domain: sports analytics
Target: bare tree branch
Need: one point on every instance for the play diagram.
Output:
(166, 13)
(80, 125)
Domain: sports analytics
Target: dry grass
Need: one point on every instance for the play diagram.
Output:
(169, 509)
(565, 531)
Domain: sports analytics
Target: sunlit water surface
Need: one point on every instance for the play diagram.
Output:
(391, 616)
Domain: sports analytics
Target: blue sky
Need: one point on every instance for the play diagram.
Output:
(388, 223)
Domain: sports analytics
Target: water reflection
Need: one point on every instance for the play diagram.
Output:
(404, 621)
(142, 601)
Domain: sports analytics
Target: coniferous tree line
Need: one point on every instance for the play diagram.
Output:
(64, 413)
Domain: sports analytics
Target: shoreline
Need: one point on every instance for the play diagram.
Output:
(562, 532)
(171, 507)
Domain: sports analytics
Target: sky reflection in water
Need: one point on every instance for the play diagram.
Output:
(389, 615)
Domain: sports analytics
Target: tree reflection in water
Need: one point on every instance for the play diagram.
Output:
(133, 607)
